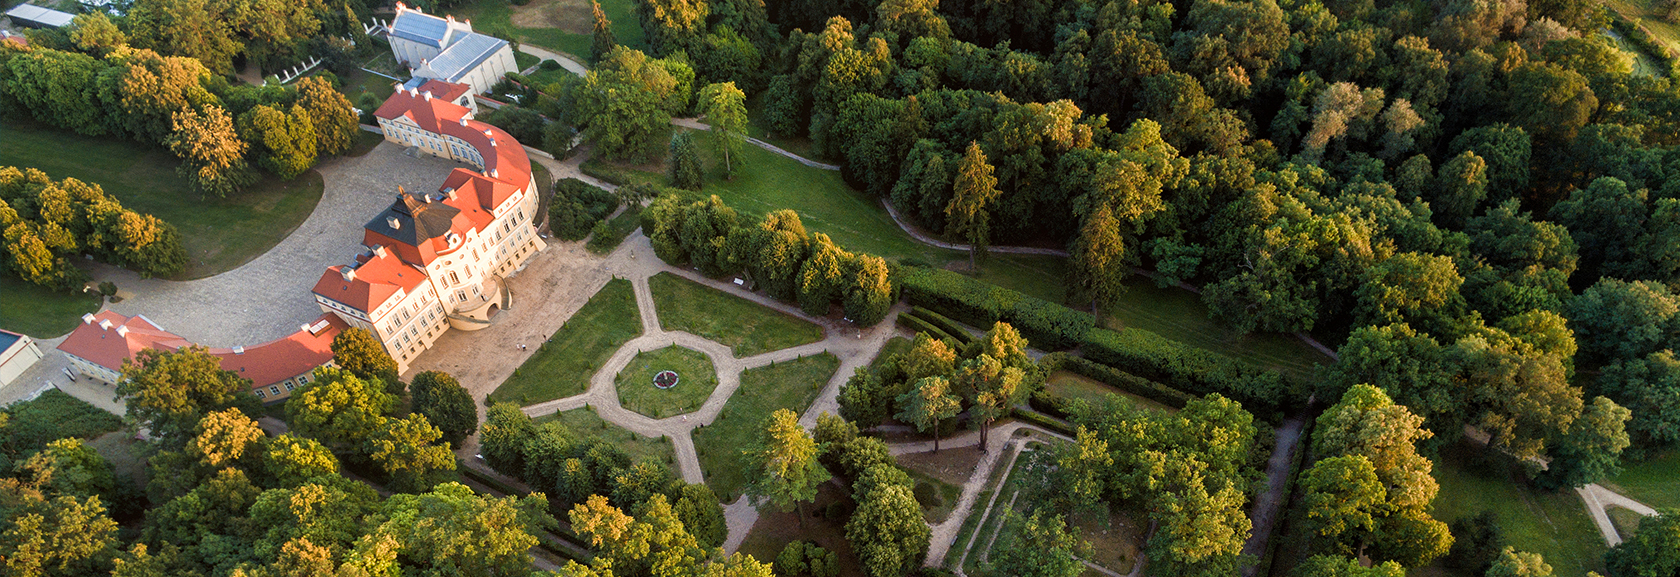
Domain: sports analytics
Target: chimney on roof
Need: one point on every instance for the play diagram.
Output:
(380, 250)
(239, 350)
(393, 222)
(105, 324)
(401, 7)
(122, 331)
(463, 121)
(493, 173)
(428, 95)
(87, 319)
(348, 272)
(451, 193)
(304, 327)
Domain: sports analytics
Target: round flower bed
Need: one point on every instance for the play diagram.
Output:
(665, 379)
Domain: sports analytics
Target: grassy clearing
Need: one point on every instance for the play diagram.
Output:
(560, 25)
(1555, 525)
(563, 366)
(791, 385)
(744, 326)
(585, 423)
(1073, 386)
(523, 60)
(1625, 520)
(360, 81)
(39, 312)
(936, 497)
(219, 233)
(1654, 481)
(542, 77)
(697, 380)
(1180, 315)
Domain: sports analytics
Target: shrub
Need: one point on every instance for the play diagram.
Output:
(576, 207)
(917, 325)
(1189, 369)
(1048, 326)
(549, 65)
(604, 237)
(1116, 378)
(1045, 421)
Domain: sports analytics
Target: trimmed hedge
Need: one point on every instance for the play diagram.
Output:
(1046, 325)
(917, 325)
(944, 323)
(1046, 421)
(1116, 378)
(1189, 369)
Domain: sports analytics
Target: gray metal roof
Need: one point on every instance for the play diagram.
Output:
(464, 55)
(418, 27)
(40, 15)
(7, 338)
(417, 220)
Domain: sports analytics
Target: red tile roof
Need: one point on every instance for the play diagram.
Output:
(263, 365)
(102, 343)
(449, 91)
(507, 168)
(376, 279)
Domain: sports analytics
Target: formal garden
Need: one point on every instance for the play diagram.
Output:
(563, 365)
(745, 327)
(788, 385)
(666, 382)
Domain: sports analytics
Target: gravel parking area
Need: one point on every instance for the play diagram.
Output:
(269, 297)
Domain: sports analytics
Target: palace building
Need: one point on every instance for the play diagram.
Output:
(433, 260)
(438, 260)
(447, 49)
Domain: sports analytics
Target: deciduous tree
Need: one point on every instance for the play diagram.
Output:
(928, 401)
(725, 109)
(446, 404)
(785, 463)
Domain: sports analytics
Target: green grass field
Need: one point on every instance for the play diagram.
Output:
(696, 381)
(52, 416)
(1646, 11)
(219, 233)
(744, 326)
(563, 366)
(791, 385)
(560, 25)
(1625, 520)
(1074, 386)
(1654, 481)
(1553, 524)
(585, 423)
(38, 312)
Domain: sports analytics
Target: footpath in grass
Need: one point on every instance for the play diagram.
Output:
(1654, 481)
(746, 327)
(563, 366)
(219, 233)
(1553, 524)
(790, 385)
(40, 312)
(696, 379)
(586, 424)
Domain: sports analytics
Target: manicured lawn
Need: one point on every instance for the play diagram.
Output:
(365, 143)
(1555, 525)
(220, 233)
(1654, 482)
(696, 381)
(523, 60)
(744, 326)
(585, 423)
(791, 385)
(563, 366)
(1180, 315)
(561, 25)
(38, 312)
(542, 78)
(1074, 386)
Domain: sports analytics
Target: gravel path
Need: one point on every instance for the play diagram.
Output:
(695, 124)
(1265, 509)
(1598, 498)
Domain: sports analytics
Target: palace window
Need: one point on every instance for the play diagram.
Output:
(274, 389)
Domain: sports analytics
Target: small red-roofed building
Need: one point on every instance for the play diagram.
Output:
(99, 346)
(438, 260)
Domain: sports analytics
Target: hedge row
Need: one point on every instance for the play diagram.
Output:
(918, 325)
(1116, 378)
(944, 323)
(1046, 421)
(1186, 368)
(1046, 325)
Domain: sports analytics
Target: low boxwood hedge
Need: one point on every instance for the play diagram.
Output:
(1116, 378)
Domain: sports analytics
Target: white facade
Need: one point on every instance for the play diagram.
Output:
(17, 357)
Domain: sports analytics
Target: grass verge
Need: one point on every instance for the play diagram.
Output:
(1654, 481)
(746, 327)
(219, 233)
(585, 423)
(560, 25)
(563, 366)
(40, 312)
(789, 385)
(696, 381)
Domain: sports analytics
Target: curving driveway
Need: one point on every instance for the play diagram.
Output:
(269, 297)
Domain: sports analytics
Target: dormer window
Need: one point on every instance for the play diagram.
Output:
(454, 240)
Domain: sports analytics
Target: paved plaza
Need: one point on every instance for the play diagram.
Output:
(269, 297)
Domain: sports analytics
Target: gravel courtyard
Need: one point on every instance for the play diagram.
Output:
(269, 297)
